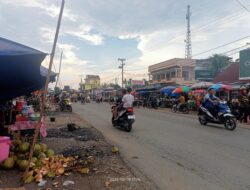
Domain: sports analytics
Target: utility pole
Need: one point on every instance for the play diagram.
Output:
(81, 83)
(122, 66)
(188, 50)
(59, 69)
(37, 128)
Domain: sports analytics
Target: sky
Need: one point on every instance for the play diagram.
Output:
(95, 33)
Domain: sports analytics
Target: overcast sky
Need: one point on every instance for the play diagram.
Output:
(94, 33)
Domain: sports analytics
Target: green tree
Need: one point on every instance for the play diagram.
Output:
(218, 62)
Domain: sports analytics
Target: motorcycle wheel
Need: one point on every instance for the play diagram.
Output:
(230, 123)
(185, 110)
(174, 109)
(202, 120)
(113, 122)
(70, 108)
(129, 127)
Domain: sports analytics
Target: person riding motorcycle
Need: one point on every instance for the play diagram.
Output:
(210, 101)
(125, 102)
(128, 99)
(118, 103)
(181, 100)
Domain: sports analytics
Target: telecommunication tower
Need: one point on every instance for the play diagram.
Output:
(188, 50)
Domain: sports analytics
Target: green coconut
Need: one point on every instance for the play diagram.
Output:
(44, 147)
(50, 153)
(22, 164)
(37, 148)
(8, 163)
(24, 147)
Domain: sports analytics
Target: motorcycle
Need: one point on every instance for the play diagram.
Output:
(125, 119)
(153, 103)
(182, 108)
(65, 105)
(223, 116)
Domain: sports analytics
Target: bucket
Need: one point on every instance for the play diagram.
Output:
(4, 148)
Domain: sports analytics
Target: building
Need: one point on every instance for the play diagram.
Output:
(231, 74)
(92, 82)
(174, 71)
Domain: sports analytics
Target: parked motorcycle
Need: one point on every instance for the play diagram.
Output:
(223, 116)
(153, 103)
(182, 108)
(125, 119)
(65, 105)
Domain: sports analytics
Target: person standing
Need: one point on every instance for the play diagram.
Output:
(243, 104)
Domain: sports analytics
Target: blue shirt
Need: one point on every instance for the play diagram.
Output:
(208, 103)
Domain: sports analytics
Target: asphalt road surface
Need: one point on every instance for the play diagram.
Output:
(174, 151)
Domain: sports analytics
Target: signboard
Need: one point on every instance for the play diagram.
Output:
(137, 82)
(203, 74)
(245, 64)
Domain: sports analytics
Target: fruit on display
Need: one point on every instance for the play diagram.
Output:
(8, 163)
(22, 164)
(50, 153)
(24, 147)
(37, 148)
(44, 147)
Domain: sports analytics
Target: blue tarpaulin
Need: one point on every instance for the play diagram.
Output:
(20, 70)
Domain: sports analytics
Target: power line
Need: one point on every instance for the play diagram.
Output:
(242, 5)
(221, 46)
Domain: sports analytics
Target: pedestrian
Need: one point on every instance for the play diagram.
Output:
(243, 104)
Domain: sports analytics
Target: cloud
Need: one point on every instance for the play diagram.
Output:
(85, 33)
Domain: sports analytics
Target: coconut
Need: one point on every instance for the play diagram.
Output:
(44, 147)
(34, 159)
(22, 164)
(24, 147)
(41, 155)
(37, 148)
(14, 157)
(9, 163)
(50, 153)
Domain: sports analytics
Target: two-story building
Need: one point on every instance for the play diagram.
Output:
(92, 82)
(174, 71)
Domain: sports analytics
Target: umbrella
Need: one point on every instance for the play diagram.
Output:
(181, 89)
(199, 91)
(168, 90)
(201, 85)
(219, 86)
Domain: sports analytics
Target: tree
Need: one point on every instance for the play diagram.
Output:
(218, 62)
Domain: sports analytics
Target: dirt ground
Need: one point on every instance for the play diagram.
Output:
(107, 172)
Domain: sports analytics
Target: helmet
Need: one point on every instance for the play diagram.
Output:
(123, 91)
(243, 87)
(129, 89)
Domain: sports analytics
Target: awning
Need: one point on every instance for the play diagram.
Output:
(21, 72)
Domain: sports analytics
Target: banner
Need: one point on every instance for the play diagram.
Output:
(245, 64)
(137, 82)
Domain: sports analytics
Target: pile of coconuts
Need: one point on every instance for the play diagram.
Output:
(19, 155)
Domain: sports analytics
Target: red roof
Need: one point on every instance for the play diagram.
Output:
(229, 75)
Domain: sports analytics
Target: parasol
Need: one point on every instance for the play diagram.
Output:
(181, 89)
(219, 86)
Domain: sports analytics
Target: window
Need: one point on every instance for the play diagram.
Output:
(185, 75)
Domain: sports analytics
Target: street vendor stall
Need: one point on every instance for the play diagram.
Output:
(21, 73)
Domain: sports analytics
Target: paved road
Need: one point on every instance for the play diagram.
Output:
(175, 152)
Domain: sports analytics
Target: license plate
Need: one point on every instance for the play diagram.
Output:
(131, 117)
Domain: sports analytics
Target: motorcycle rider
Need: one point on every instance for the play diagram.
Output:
(128, 99)
(118, 103)
(181, 100)
(210, 101)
